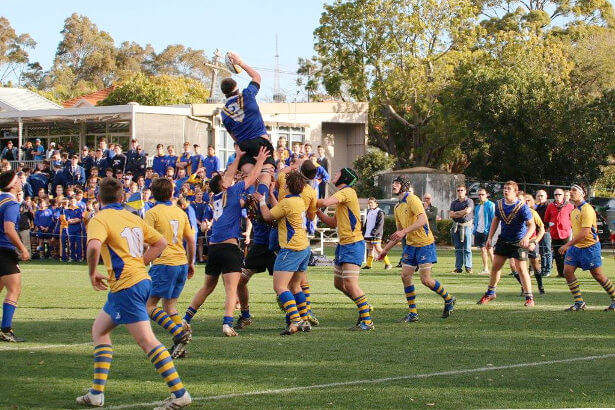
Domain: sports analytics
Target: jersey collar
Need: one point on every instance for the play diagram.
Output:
(116, 205)
(168, 203)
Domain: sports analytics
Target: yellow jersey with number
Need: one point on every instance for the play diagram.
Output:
(407, 211)
(122, 235)
(584, 216)
(172, 222)
(290, 214)
(348, 216)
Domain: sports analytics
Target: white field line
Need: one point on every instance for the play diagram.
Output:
(375, 381)
(41, 347)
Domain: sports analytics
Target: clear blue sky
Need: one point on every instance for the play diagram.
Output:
(246, 27)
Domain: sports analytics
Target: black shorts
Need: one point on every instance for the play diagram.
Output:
(223, 258)
(251, 147)
(510, 250)
(9, 262)
(259, 259)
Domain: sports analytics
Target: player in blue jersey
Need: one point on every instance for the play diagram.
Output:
(10, 274)
(517, 227)
(242, 118)
(224, 256)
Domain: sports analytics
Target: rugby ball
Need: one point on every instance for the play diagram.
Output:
(230, 64)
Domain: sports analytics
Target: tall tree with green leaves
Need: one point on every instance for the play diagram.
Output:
(14, 58)
(398, 56)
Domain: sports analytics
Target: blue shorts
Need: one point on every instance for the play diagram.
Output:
(350, 253)
(585, 258)
(292, 261)
(480, 239)
(419, 255)
(128, 305)
(168, 281)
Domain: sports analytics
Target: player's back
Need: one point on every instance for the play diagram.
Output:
(122, 235)
(172, 222)
(241, 115)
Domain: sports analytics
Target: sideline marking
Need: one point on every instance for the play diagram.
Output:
(9, 349)
(374, 381)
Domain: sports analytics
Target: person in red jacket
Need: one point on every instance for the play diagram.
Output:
(557, 217)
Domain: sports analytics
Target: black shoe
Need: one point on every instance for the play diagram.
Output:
(541, 291)
(366, 267)
(468, 270)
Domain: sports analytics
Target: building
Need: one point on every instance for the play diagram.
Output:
(340, 127)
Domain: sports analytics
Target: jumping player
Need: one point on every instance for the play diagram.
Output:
(419, 248)
(583, 250)
(119, 236)
(242, 118)
(10, 273)
(171, 269)
(351, 248)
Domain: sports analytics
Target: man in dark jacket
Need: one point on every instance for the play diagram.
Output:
(372, 231)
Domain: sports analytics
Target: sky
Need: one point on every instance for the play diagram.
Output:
(246, 27)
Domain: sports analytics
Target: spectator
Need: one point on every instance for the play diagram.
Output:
(211, 163)
(26, 219)
(282, 142)
(557, 217)
(38, 180)
(74, 174)
(432, 214)
(546, 257)
(461, 232)
(231, 157)
(131, 154)
(27, 151)
(483, 215)
(10, 153)
(323, 162)
(197, 160)
(373, 230)
(26, 187)
(38, 150)
(322, 176)
(307, 150)
(184, 158)
(296, 154)
(139, 163)
(86, 161)
(160, 160)
(98, 161)
(118, 161)
(171, 157)
(51, 150)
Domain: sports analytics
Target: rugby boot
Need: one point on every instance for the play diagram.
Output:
(449, 307)
(486, 299)
(362, 326)
(576, 307)
(611, 306)
(92, 400)
(410, 318)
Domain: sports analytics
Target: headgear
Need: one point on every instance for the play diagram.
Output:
(347, 177)
(404, 182)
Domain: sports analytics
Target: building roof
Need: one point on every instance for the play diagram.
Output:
(89, 100)
(21, 99)
(418, 170)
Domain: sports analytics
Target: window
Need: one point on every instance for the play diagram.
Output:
(224, 146)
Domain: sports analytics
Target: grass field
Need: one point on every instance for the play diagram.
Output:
(494, 356)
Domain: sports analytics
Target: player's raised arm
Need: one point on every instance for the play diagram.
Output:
(236, 59)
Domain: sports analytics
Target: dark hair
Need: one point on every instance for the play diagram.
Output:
(308, 169)
(110, 190)
(295, 182)
(5, 180)
(214, 183)
(227, 86)
(162, 189)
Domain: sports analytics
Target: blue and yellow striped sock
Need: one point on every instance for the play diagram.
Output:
(159, 316)
(411, 298)
(190, 312)
(363, 307)
(163, 363)
(290, 305)
(576, 291)
(308, 299)
(610, 289)
(439, 289)
(8, 311)
(102, 363)
(176, 318)
(490, 291)
(301, 304)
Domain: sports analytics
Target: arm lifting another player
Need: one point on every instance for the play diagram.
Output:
(258, 167)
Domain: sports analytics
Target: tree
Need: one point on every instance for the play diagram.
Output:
(14, 58)
(85, 58)
(366, 167)
(181, 61)
(159, 90)
(398, 56)
(132, 58)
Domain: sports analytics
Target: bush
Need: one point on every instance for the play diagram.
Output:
(444, 230)
(389, 227)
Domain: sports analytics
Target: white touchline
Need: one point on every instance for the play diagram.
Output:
(12, 349)
(382, 380)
